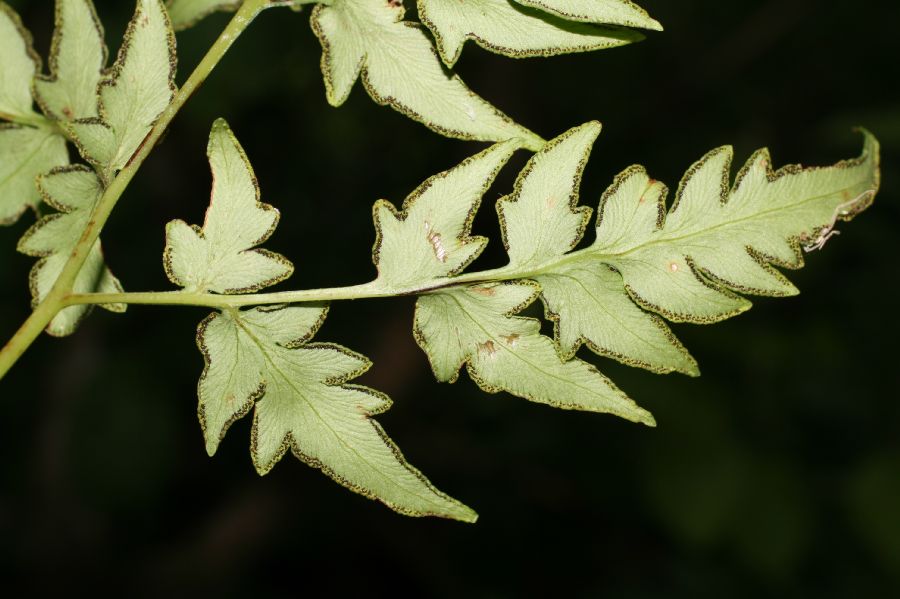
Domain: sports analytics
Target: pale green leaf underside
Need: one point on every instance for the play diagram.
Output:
(476, 326)
(611, 12)
(517, 31)
(399, 68)
(18, 64)
(222, 256)
(73, 191)
(259, 359)
(25, 153)
(77, 60)
(140, 88)
(540, 220)
(588, 304)
(185, 13)
(715, 242)
(430, 238)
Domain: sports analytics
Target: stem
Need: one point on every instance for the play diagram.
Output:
(55, 300)
(212, 300)
(35, 120)
(372, 289)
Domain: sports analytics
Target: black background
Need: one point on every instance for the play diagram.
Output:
(776, 473)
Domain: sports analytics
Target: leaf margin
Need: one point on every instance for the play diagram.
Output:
(112, 76)
(507, 147)
(451, 56)
(221, 126)
(53, 58)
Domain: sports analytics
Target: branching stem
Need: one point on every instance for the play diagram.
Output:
(366, 290)
(58, 297)
(211, 300)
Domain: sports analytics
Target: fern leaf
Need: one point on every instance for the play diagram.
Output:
(73, 191)
(36, 152)
(25, 153)
(140, 87)
(512, 29)
(690, 263)
(27, 146)
(186, 13)
(430, 238)
(476, 326)
(399, 68)
(613, 12)
(18, 67)
(261, 359)
(540, 219)
(222, 256)
(588, 305)
(540, 222)
(77, 59)
(302, 401)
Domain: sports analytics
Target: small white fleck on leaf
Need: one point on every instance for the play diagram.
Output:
(690, 263)
(504, 352)
(536, 225)
(430, 237)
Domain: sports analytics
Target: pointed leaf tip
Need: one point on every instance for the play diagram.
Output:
(399, 68)
(541, 219)
(719, 240)
(140, 86)
(611, 12)
(19, 65)
(513, 30)
(78, 58)
(222, 256)
(431, 237)
(28, 145)
(476, 326)
(303, 402)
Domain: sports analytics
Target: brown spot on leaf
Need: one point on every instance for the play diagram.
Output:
(487, 349)
(511, 340)
(485, 291)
